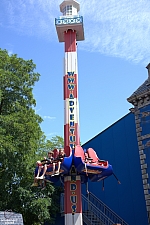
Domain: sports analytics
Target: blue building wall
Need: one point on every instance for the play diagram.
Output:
(118, 144)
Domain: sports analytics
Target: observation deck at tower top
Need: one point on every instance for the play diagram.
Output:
(69, 20)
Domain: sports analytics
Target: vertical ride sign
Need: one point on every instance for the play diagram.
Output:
(72, 108)
(73, 203)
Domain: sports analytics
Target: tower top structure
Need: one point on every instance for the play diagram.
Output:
(70, 20)
(69, 7)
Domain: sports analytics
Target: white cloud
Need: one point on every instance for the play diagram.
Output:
(51, 134)
(119, 28)
(10, 48)
(29, 17)
(44, 117)
(37, 110)
(49, 117)
(10, 52)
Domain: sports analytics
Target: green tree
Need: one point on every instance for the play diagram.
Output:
(21, 141)
(54, 142)
(45, 145)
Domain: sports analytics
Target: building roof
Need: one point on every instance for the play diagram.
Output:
(143, 89)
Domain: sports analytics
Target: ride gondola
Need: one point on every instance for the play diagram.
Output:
(87, 163)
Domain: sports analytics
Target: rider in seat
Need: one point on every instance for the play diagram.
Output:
(42, 164)
(45, 162)
(58, 160)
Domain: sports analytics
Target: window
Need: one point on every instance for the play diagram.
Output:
(67, 10)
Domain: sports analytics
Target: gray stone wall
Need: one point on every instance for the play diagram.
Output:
(142, 121)
(10, 218)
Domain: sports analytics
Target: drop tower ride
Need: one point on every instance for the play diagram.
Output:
(70, 29)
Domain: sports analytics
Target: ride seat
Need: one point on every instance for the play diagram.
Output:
(92, 154)
(87, 158)
(78, 152)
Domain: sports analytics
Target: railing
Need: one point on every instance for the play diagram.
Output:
(105, 209)
(69, 16)
(94, 214)
(88, 221)
(95, 211)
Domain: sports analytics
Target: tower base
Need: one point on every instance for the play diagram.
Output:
(73, 219)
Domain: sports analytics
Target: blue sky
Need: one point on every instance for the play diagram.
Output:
(111, 60)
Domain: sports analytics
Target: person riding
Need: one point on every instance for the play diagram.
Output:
(58, 160)
(43, 165)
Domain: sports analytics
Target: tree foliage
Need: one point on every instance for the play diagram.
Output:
(21, 141)
(46, 145)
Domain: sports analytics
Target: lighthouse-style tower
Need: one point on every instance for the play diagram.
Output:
(69, 28)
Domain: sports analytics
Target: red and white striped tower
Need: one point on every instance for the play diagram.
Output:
(70, 30)
(71, 121)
